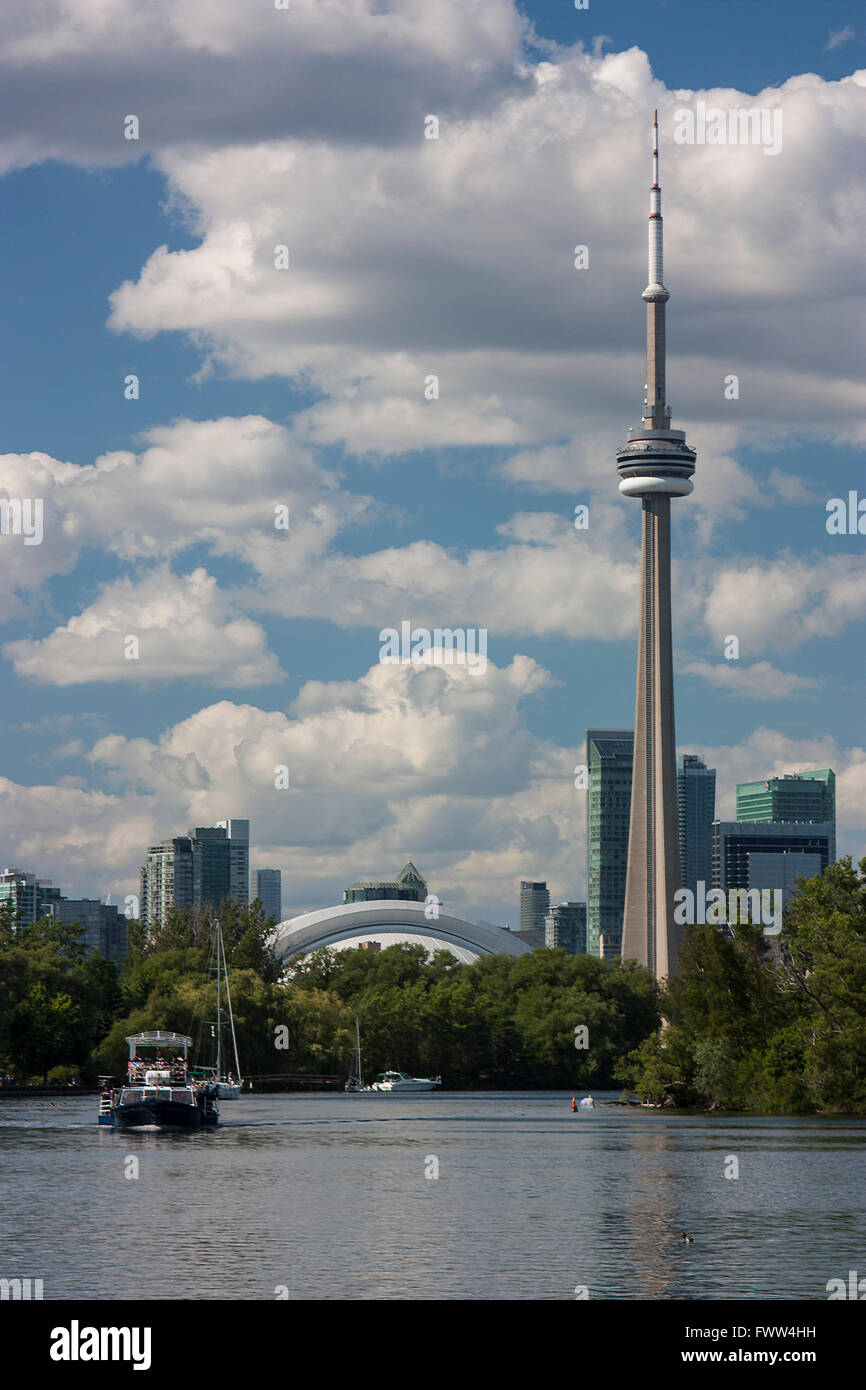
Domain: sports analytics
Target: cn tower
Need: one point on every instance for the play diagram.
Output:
(655, 464)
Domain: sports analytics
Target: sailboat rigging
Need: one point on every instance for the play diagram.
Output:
(228, 1087)
(355, 1081)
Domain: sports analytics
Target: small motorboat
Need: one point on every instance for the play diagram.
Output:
(398, 1081)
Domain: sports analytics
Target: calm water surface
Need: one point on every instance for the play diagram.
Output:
(327, 1195)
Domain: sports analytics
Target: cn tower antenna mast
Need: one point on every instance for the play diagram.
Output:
(654, 465)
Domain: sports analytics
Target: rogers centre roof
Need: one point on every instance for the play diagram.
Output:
(342, 925)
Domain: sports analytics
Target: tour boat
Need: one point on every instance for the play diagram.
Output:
(398, 1081)
(159, 1092)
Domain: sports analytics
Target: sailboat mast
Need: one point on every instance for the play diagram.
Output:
(219, 1014)
(231, 1015)
(358, 1049)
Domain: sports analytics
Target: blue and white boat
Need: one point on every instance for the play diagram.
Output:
(159, 1092)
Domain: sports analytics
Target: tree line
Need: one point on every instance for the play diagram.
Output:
(751, 1022)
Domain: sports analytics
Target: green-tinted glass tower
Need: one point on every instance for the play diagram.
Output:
(696, 810)
(215, 864)
(795, 798)
(609, 758)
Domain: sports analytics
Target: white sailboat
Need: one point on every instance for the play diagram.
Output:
(228, 1087)
(355, 1082)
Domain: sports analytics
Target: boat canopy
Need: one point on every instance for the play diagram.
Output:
(171, 1040)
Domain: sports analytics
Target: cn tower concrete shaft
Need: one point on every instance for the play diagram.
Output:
(650, 934)
(655, 464)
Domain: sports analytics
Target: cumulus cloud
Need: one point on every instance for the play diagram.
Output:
(455, 257)
(430, 761)
(72, 69)
(778, 604)
(758, 681)
(165, 627)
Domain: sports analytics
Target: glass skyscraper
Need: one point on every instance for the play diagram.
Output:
(795, 798)
(609, 758)
(238, 832)
(269, 891)
(565, 926)
(696, 809)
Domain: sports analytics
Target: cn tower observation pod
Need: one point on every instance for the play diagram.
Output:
(388, 922)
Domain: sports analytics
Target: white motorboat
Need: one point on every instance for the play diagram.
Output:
(398, 1081)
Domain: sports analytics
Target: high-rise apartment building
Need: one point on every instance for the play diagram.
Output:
(696, 810)
(34, 898)
(565, 927)
(609, 754)
(534, 906)
(238, 832)
(794, 798)
(105, 926)
(269, 891)
(170, 877)
(198, 870)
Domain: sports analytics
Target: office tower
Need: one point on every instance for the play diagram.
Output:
(21, 889)
(782, 870)
(741, 850)
(534, 906)
(696, 811)
(170, 877)
(238, 832)
(609, 754)
(565, 926)
(269, 891)
(31, 897)
(408, 886)
(213, 842)
(655, 464)
(794, 797)
(106, 926)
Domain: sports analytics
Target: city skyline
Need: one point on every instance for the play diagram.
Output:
(307, 389)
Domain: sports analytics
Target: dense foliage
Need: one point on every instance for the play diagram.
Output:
(503, 1021)
(772, 1024)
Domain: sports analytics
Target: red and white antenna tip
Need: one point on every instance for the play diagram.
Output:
(655, 117)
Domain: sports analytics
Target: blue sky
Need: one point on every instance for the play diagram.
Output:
(410, 257)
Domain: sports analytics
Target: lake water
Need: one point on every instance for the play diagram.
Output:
(327, 1196)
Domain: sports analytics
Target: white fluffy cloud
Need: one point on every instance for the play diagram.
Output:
(775, 605)
(758, 681)
(166, 627)
(454, 257)
(73, 69)
(432, 761)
